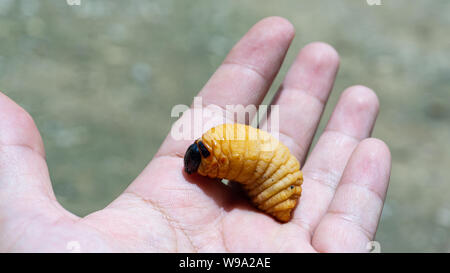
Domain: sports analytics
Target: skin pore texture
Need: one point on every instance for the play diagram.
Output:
(346, 174)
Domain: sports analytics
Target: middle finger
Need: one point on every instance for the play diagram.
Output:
(303, 95)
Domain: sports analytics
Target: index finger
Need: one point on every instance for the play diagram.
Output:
(246, 73)
(249, 69)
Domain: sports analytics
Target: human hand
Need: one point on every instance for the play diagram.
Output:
(165, 210)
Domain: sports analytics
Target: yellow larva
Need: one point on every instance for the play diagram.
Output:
(268, 172)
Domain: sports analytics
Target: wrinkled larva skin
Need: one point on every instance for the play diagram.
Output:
(269, 173)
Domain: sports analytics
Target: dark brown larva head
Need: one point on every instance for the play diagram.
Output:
(193, 156)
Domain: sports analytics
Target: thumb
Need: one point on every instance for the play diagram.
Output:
(25, 187)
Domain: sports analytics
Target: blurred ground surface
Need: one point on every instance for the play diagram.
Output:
(100, 80)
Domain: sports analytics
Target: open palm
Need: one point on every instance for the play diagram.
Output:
(166, 210)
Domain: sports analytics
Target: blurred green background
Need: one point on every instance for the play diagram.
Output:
(100, 80)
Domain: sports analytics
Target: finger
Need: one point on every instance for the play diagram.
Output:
(249, 69)
(303, 95)
(352, 218)
(352, 120)
(243, 78)
(25, 188)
